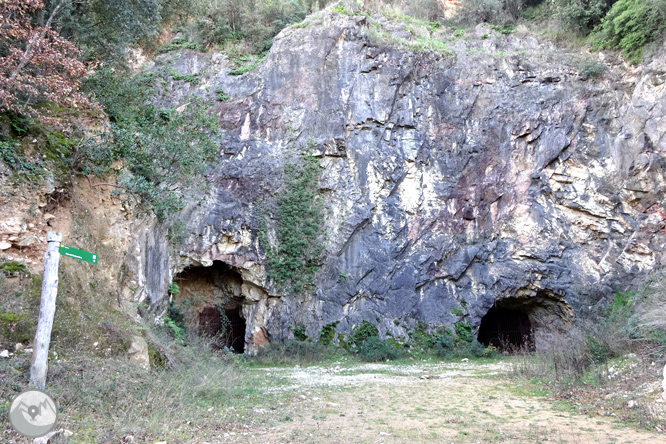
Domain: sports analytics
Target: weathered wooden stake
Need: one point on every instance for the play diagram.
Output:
(40, 345)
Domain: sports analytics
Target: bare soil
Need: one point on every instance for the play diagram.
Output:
(417, 403)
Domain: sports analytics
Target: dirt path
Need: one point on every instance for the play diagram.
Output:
(420, 403)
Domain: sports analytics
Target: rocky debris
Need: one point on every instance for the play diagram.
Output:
(19, 347)
(27, 241)
(4, 354)
(138, 352)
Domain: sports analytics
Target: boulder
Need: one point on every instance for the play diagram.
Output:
(138, 352)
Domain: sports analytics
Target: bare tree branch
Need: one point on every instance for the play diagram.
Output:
(38, 36)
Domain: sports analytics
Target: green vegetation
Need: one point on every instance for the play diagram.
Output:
(630, 25)
(243, 28)
(463, 332)
(580, 16)
(221, 95)
(374, 349)
(157, 154)
(190, 78)
(505, 29)
(17, 327)
(12, 267)
(299, 333)
(248, 66)
(591, 69)
(340, 9)
(327, 333)
(179, 43)
(294, 261)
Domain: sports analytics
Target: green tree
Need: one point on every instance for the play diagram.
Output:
(156, 153)
(630, 25)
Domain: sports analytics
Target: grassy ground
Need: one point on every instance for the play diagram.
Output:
(218, 398)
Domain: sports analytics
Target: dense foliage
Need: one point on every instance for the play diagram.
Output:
(37, 65)
(106, 30)
(630, 25)
(255, 23)
(155, 152)
(295, 259)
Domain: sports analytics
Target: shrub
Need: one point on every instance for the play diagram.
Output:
(491, 11)
(590, 68)
(12, 267)
(294, 261)
(650, 314)
(156, 153)
(580, 16)
(174, 322)
(630, 25)
(374, 349)
(362, 332)
(299, 332)
(293, 351)
(327, 333)
(463, 332)
(17, 327)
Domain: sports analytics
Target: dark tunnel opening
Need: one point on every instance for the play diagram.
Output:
(508, 329)
(227, 326)
(211, 298)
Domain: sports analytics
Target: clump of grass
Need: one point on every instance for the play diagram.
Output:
(295, 352)
(375, 349)
(590, 68)
(106, 399)
(248, 67)
(191, 78)
(221, 95)
(12, 267)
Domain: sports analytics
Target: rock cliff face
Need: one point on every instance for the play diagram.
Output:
(459, 173)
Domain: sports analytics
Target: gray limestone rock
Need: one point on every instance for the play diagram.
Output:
(487, 174)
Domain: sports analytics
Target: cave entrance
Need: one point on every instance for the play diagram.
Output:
(507, 329)
(226, 325)
(212, 300)
(531, 320)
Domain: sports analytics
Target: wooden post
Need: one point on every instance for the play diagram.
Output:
(40, 345)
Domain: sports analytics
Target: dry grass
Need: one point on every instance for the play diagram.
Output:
(108, 399)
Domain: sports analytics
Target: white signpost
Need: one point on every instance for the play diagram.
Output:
(40, 346)
(40, 356)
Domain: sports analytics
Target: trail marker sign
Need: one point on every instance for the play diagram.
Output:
(78, 254)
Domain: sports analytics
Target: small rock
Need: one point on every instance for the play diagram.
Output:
(27, 241)
(48, 216)
(464, 360)
(4, 354)
(632, 404)
(4, 245)
(19, 346)
(28, 350)
(138, 352)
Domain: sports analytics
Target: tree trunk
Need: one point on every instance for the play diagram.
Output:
(40, 345)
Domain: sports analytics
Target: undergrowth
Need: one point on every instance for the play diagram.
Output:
(608, 358)
(296, 257)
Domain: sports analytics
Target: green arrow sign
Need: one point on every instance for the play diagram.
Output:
(78, 254)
